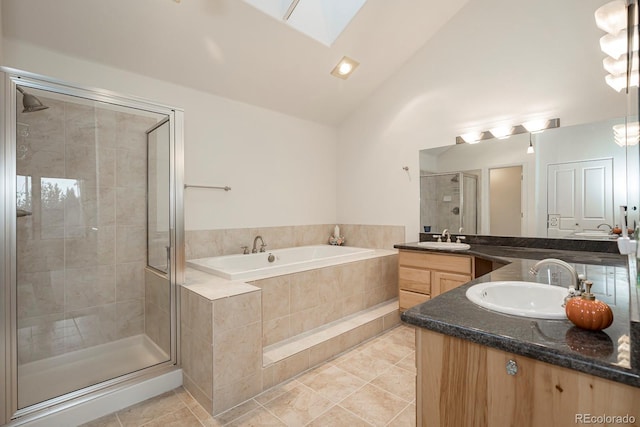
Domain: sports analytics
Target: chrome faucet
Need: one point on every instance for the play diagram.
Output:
(604, 223)
(445, 233)
(576, 280)
(262, 246)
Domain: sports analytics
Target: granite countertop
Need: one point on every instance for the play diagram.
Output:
(558, 342)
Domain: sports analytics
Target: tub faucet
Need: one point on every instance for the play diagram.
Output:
(576, 280)
(262, 246)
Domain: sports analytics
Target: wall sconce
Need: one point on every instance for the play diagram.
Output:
(533, 126)
(612, 18)
(628, 134)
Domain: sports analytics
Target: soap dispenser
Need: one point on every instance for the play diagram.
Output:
(588, 313)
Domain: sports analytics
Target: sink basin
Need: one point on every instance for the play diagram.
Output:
(526, 299)
(450, 246)
(601, 234)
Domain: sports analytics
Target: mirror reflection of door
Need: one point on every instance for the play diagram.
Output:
(579, 196)
(505, 201)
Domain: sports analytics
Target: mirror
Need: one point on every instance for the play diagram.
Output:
(574, 182)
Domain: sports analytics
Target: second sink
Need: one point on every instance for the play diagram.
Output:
(526, 299)
(450, 246)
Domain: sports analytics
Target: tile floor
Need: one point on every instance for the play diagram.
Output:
(371, 385)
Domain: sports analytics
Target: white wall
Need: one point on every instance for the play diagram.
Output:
(281, 169)
(495, 61)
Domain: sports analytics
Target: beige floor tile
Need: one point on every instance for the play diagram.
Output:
(332, 383)
(107, 421)
(403, 335)
(364, 365)
(298, 406)
(234, 413)
(181, 418)
(398, 381)
(374, 405)
(257, 418)
(406, 418)
(276, 391)
(408, 362)
(386, 350)
(338, 417)
(151, 409)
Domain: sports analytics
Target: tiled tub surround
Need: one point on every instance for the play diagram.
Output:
(81, 254)
(210, 243)
(260, 334)
(553, 341)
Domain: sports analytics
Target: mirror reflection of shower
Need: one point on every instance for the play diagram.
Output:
(449, 201)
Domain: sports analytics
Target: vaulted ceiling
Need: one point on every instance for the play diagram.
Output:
(229, 48)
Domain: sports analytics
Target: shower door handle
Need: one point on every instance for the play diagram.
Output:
(168, 248)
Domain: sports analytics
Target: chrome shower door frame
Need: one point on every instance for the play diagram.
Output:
(8, 279)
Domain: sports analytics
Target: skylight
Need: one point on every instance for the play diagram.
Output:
(322, 20)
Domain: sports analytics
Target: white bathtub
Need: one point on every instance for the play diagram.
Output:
(289, 260)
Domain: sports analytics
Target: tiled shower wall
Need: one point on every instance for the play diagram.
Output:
(209, 243)
(81, 254)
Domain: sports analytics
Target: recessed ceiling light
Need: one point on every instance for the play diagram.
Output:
(344, 68)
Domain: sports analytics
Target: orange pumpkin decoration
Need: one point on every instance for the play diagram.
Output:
(588, 313)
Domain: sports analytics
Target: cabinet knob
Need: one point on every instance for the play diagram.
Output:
(512, 367)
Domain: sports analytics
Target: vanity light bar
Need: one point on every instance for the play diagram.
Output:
(532, 126)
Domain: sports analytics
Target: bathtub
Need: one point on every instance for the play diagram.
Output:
(289, 260)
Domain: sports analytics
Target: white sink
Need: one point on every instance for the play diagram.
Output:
(526, 299)
(592, 234)
(451, 246)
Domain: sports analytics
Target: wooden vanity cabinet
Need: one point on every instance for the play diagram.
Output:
(461, 383)
(423, 275)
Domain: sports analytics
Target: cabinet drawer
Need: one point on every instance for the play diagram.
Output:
(409, 299)
(453, 263)
(414, 279)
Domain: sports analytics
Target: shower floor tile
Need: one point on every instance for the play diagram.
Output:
(327, 395)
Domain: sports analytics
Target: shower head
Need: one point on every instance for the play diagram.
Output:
(30, 102)
(455, 178)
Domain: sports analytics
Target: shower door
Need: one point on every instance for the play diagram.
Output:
(86, 309)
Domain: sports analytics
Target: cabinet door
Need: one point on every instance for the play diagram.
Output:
(455, 374)
(443, 282)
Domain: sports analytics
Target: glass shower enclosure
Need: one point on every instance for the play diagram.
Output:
(89, 189)
(449, 201)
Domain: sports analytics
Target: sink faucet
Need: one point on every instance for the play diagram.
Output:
(445, 233)
(576, 281)
(262, 246)
(604, 223)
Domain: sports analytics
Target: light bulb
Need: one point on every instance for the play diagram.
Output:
(501, 132)
(616, 45)
(535, 125)
(345, 68)
(612, 17)
(619, 82)
(472, 137)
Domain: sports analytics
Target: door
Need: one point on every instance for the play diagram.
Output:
(579, 196)
(86, 309)
(505, 201)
